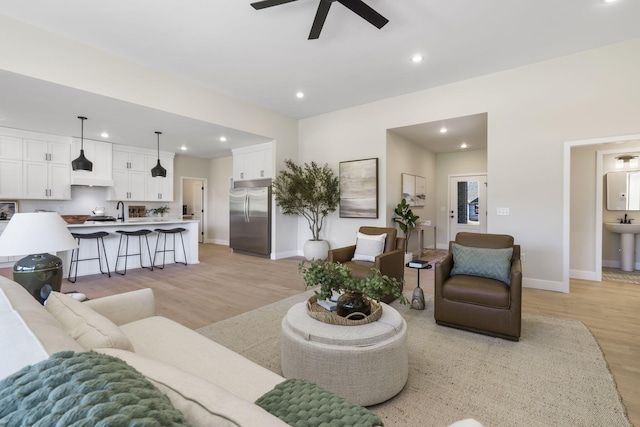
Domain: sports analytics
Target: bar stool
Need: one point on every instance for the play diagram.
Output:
(98, 236)
(164, 233)
(127, 234)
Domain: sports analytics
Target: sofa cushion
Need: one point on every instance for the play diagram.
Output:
(303, 403)
(88, 328)
(84, 389)
(483, 262)
(203, 403)
(368, 247)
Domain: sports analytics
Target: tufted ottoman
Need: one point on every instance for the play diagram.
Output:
(366, 364)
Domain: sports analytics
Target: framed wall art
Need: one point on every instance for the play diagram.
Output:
(7, 209)
(359, 188)
(414, 189)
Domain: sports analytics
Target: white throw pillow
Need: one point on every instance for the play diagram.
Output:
(368, 247)
(90, 329)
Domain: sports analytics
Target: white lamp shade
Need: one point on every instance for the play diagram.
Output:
(36, 233)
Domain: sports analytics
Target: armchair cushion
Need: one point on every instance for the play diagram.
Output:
(368, 247)
(483, 262)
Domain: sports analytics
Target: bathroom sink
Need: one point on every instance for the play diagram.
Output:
(616, 227)
(627, 243)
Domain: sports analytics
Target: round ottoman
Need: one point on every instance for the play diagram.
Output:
(365, 364)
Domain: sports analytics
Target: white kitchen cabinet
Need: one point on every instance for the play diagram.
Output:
(252, 162)
(10, 167)
(158, 188)
(45, 180)
(10, 148)
(128, 185)
(46, 151)
(10, 179)
(101, 155)
(46, 170)
(124, 159)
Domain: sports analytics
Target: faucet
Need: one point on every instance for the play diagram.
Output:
(120, 203)
(625, 220)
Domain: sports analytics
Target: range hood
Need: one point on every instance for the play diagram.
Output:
(90, 181)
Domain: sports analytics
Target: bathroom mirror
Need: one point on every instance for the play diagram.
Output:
(623, 191)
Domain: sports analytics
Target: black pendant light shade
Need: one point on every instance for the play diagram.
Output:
(82, 163)
(158, 170)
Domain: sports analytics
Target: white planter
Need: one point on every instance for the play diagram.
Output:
(315, 249)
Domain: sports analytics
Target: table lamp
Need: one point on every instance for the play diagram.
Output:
(35, 235)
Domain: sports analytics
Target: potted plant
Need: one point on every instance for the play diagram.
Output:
(406, 219)
(312, 192)
(336, 277)
(160, 211)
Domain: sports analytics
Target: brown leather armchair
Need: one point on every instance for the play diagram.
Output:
(479, 304)
(390, 262)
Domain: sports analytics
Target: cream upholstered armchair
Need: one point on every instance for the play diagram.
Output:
(372, 250)
(478, 285)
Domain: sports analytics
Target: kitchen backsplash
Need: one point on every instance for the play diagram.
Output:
(85, 199)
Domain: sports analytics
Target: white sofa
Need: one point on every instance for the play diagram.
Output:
(210, 384)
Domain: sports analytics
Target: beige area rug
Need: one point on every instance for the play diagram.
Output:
(555, 376)
(616, 275)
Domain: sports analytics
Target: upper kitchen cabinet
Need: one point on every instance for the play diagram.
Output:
(46, 169)
(159, 189)
(254, 162)
(132, 175)
(101, 155)
(10, 167)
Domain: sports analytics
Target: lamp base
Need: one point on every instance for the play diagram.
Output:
(39, 274)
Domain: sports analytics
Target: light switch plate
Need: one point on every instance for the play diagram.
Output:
(502, 211)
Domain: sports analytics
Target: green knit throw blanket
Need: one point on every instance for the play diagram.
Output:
(81, 390)
(301, 403)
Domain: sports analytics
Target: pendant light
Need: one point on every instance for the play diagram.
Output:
(82, 163)
(158, 170)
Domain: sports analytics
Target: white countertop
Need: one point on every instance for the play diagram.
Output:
(136, 221)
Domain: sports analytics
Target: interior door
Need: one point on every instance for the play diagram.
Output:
(467, 204)
(197, 204)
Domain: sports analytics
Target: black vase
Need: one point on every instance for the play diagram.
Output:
(353, 302)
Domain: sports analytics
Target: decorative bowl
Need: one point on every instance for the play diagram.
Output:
(75, 219)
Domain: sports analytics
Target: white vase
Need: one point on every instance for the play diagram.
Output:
(315, 249)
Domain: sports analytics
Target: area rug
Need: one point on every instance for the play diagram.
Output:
(555, 376)
(616, 275)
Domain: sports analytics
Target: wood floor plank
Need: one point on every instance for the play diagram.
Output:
(225, 284)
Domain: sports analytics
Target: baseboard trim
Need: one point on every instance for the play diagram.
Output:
(545, 285)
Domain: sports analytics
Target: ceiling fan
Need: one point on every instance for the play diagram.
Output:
(357, 6)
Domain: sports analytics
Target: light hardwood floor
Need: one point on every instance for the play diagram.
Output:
(225, 284)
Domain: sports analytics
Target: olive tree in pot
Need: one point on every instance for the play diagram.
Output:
(406, 219)
(312, 192)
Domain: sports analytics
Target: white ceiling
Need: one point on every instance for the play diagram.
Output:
(263, 56)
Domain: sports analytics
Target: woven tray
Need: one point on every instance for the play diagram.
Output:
(326, 316)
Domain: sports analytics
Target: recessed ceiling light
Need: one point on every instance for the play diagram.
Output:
(223, 139)
(183, 148)
(416, 59)
(104, 135)
(443, 129)
(609, 1)
(464, 145)
(300, 95)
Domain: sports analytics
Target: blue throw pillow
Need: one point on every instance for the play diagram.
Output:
(483, 262)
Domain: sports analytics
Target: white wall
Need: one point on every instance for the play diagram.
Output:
(531, 110)
(220, 172)
(404, 156)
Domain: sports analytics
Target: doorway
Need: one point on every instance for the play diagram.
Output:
(467, 204)
(193, 203)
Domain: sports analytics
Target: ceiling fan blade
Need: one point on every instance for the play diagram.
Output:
(268, 3)
(321, 16)
(367, 13)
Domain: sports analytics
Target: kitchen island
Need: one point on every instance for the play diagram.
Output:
(89, 249)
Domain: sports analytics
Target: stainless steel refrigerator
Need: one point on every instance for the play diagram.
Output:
(250, 217)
